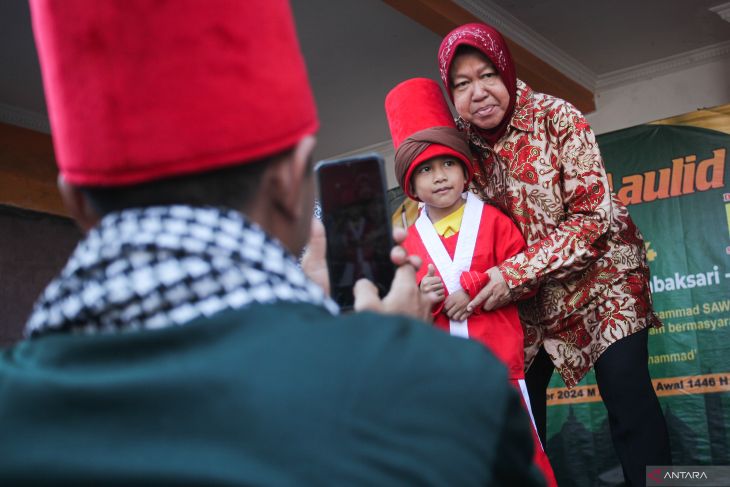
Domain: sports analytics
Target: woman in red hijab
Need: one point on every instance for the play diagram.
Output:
(539, 162)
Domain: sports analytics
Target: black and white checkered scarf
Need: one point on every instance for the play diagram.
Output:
(163, 266)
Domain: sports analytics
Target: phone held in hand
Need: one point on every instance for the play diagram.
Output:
(355, 215)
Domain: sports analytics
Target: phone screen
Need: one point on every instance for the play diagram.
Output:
(357, 223)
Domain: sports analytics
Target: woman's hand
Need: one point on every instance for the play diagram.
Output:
(493, 295)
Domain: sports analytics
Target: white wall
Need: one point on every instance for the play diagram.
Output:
(664, 96)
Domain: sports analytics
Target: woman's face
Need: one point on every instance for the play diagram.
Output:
(480, 96)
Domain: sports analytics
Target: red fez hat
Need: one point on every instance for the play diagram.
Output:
(139, 90)
(412, 107)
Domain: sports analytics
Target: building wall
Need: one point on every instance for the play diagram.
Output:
(672, 94)
(33, 248)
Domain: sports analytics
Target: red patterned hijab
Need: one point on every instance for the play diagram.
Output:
(490, 43)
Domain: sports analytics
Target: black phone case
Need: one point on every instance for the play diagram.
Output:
(354, 209)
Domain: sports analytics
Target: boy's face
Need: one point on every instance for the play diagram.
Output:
(439, 182)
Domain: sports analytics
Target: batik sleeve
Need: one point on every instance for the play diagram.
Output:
(582, 235)
(506, 241)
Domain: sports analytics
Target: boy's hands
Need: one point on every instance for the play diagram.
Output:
(455, 305)
(433, 285)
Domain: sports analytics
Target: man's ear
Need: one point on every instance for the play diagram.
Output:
(77, 204)
(288, 178)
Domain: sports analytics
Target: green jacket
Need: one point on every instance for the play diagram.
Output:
(275, 395)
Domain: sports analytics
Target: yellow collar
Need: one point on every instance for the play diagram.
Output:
(450, 224)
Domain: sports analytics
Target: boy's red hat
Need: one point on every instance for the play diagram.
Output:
(139, 90)
(413, 106)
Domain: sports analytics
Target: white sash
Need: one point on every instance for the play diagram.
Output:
(451, 270)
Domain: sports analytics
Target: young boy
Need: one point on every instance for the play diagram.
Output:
(457, 235)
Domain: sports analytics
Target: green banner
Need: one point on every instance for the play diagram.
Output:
(673, 180)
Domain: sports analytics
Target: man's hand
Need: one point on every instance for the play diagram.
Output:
(314, 260)
(405, 297)
(455, 305)
(492, 296)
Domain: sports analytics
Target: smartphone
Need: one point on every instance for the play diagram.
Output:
(354, 207)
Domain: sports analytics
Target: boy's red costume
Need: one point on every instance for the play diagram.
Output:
(422, 128)
(487, 237)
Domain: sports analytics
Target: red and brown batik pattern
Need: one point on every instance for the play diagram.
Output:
(584, 252)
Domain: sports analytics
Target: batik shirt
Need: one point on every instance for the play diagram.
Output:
(584, 252)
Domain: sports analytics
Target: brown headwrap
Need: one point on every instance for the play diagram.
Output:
(416, 144)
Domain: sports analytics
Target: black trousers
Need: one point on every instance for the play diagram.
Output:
(638, 429)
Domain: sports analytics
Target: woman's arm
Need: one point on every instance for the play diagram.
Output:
(582, 236)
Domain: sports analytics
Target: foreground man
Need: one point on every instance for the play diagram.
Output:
(181, 344)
